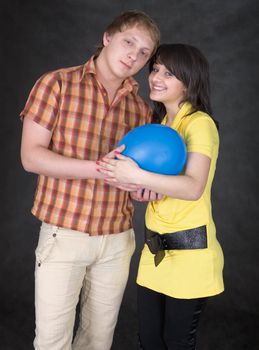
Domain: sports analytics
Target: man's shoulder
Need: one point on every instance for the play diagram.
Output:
(142, 102)
(133, 86)
(67, 74)
(73, 74)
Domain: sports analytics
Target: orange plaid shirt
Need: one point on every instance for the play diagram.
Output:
(74, 106)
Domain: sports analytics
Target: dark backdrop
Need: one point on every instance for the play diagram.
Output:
(37, 36)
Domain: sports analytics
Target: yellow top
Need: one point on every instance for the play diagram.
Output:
(186, 273)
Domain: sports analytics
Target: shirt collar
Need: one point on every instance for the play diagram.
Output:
(183, 111)
(129, 84)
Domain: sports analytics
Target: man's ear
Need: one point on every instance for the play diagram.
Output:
(106, 39)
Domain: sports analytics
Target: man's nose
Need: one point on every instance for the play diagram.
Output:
(133, 54)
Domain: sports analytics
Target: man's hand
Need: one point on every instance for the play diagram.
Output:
(144, 195)
(124, 186)
(113, 153)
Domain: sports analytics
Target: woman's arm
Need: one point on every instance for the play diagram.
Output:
(188, 186)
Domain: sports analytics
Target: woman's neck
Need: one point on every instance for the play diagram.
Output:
(171, 113)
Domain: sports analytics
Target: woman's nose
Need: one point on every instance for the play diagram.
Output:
(155, 76)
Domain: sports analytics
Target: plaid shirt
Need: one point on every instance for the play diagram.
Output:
(74, 106)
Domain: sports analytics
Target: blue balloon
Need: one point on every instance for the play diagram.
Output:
(156, 148)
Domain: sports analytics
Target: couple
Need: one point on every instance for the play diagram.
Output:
(72, 121)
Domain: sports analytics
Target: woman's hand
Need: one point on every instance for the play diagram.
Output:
(122, 169)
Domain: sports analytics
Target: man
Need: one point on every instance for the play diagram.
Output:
(72, 118)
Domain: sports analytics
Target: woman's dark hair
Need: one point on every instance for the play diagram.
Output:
(189, 66)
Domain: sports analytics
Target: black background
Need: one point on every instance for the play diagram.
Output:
(38, 36)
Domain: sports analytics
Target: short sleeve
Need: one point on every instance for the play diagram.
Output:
(43, 101)
(202, 136)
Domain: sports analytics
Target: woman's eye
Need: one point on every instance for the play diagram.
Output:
(168, 74)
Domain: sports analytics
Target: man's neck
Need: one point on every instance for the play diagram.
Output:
(109, 82)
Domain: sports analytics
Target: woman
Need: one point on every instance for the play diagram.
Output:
(181, 263)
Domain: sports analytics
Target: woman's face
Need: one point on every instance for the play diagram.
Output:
(165, 87)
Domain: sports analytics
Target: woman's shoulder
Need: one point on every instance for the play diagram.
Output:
(199, 127)
(199, 119)
(198, 115)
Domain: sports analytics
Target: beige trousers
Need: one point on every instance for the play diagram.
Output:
(69, 263)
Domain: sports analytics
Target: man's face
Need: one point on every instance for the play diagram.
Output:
(126, 52)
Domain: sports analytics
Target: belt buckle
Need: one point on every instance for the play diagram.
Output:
(153, 241)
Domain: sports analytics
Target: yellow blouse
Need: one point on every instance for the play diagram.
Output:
(186, 273)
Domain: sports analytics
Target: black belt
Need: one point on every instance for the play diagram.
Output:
(194, 238)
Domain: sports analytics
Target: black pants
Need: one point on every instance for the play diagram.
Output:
(167, 323)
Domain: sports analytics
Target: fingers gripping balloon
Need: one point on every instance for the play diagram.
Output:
(156, 148)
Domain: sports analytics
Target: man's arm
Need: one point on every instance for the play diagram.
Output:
(37, 158)
(188, 186)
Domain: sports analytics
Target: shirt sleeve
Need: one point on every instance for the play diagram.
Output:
(43, 102)
(202, 136)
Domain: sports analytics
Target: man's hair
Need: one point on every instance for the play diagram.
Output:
(130, 19)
